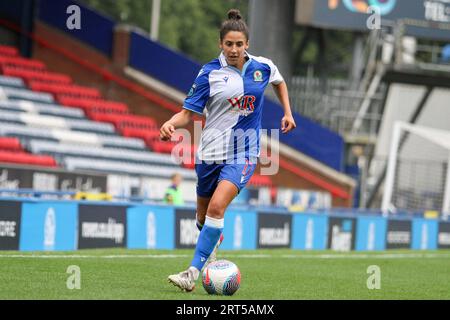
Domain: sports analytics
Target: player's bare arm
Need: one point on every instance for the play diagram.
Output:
(179, 120)
(287, 122)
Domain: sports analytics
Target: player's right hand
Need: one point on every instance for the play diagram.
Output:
(166, 131)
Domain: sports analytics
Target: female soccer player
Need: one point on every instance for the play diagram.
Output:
(231, 88)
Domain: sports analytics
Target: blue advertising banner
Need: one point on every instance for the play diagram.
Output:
(371, 233)
(48, 226)
(239, 230)
(309, 231)
(94, 28)
(151, 227)
(424, 234)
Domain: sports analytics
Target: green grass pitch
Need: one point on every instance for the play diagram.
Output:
(266, 274)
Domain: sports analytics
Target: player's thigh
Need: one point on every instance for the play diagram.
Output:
(225, 192)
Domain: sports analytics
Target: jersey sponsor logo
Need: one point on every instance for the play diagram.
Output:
(243, 105)
(257, 76)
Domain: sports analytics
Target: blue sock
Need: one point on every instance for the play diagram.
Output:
(207, 240)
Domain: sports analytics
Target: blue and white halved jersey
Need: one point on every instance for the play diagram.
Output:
(232, 101)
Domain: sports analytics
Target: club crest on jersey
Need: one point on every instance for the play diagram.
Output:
(257, 76)
(191, 92)
(243, 105)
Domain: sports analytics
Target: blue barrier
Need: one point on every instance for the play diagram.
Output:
(96, 29)
(240, 230)
(371, 233)
(424, 234)
(48, 226)
(40, 225)
(150, 227)
(162, 63)
(309, 231)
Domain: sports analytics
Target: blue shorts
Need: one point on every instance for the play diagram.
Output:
(209, 176)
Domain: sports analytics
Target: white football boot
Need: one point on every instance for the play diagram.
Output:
(184, 280)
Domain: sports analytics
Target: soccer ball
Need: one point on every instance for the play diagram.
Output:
(221, 277)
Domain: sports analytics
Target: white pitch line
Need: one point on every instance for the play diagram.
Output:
(77, 256)
(233, 256)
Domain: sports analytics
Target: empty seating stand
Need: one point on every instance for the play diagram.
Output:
(67, 135)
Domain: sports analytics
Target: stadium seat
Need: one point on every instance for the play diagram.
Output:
(94, 105)
(67, 136)
(33, 76)
(144, 134)
(124, 120)
(61, 150)
(8, 51)
(73, 163)
(21, 63)
(62, 90)
(11, 82)
(24, 94)
(260, 181)
(24, 106)
(10, 144)
(26, 158)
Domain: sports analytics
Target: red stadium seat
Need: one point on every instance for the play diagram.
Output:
(31, 76)
(125, 120)
(8, 51)
(258, 180)
(161, 146)
(26, 158)
(10, 144)
(63, 90)
(144, 134)
(94, 105)
(21, 63)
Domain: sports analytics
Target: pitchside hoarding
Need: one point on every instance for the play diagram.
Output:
(424, 234)
(371, 233)
(309, 231)
(341, 233)
(101, 226)
(239, 230)
(399, 234)
(274, 230)
(48, 226)
(186, 231)
(10, 219)
(444, 235)
(50, 180)
(151, 227)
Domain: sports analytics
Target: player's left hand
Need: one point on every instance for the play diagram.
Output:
(287, 124)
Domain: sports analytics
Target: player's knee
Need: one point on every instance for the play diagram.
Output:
(216, 210)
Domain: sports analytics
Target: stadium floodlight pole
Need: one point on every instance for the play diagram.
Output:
(154, 24)
(446, 202)
(392, 163)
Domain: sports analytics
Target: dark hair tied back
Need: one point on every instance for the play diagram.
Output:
(234, 14)
(234, 23)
